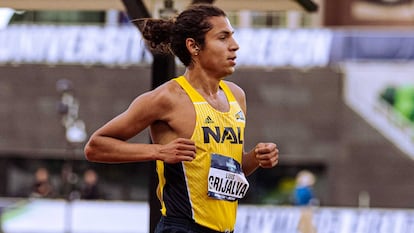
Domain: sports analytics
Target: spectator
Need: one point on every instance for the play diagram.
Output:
(303, 193)
(42, 187)
(90, 189)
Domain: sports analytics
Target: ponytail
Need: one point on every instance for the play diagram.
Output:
(157, 33)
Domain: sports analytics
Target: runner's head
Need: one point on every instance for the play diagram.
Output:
(169, 36)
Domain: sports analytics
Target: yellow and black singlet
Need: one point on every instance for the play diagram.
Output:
(207, 189)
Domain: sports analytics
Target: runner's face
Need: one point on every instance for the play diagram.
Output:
(219, 53)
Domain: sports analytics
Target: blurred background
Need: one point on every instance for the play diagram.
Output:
(331, 82)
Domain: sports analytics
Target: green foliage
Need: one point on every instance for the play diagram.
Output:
(388, 95)
(404, 101)
(401, 98)
(282, 193)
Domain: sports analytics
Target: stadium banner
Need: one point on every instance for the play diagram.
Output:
(123, 46)
(259, 47)
(274, 219)
(371, 45)
(86, 45)
(59, 216)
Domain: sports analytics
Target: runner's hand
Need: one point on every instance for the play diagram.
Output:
(178, 150)
(267, 154)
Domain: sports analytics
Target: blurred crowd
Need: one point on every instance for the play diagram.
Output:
(71, 187)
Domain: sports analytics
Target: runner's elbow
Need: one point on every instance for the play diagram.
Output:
(90, 151)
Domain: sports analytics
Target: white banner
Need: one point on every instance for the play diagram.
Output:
(59, 216)
(90, 45)
(86, 45)
(271, 219)
(284, 47)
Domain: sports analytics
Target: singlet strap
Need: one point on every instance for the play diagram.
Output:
(196, 97)
(227, 91)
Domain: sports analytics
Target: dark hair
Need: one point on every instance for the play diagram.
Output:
(169, 35)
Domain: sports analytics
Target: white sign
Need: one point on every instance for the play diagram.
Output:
(123, 45)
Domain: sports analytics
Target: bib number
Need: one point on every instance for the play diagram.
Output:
(226, 180)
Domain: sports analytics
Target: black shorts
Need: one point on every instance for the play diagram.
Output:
(180, 225)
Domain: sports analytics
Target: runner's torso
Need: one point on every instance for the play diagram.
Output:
(207, 188)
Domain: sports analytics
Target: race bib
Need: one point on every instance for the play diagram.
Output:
(226, 180)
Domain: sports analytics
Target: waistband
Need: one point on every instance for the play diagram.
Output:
(190, 225)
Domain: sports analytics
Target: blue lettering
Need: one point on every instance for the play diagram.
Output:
(227, 134)
(208, 132)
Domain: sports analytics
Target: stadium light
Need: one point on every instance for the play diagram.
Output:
(68, 107)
